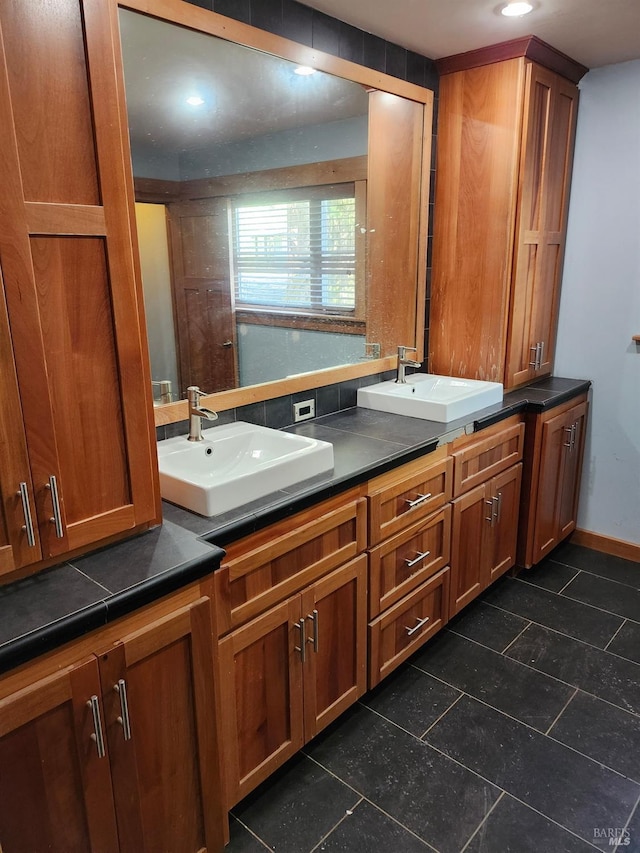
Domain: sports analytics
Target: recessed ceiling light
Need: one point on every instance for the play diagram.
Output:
(516, 8)
(304, 70)
(195, 101)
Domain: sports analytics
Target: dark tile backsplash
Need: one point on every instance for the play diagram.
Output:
(278, 412)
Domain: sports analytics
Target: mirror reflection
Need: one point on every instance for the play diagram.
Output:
(251, 204)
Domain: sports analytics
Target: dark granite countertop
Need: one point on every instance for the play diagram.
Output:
(62, 603)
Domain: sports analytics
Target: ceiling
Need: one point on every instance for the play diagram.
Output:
(593, 32)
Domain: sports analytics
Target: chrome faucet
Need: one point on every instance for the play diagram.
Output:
(404, 362)
(197, 413)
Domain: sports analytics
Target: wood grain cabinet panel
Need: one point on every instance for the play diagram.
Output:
(118, 751)
(403, 628)
(408, 493)
(77, 358)
(553, 467)
(484, 536)
(288, 673)
(478, 460)
(407, 559)
(506, 134)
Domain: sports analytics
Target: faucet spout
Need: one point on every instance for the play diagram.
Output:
(404, 362)
(197, 413)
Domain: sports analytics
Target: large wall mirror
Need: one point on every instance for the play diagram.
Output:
(281, 207)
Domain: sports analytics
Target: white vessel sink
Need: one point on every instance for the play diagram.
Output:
(432, 397)
(235, 464)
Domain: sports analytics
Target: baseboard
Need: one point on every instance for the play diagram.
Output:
(606, 544)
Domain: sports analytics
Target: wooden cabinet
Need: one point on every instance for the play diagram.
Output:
(78, 419)
(485, 509)
(408, 570)
(117, 750)
(505, 145)
(484, 535)
(292, 614)
(288, 673)
(555, 449)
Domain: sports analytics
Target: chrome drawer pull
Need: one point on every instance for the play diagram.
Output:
(498, 500)
(417, 559)
(314, 639)
(302, 648)
(121, 690)
(97, 736)
(52, 485)
(569, 443)
(419, 500)
(26, 509)
(421, 623)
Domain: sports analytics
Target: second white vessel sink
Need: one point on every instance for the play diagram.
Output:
(432, 397)
(235, 464)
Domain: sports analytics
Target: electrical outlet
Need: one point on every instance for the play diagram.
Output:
(304, 410)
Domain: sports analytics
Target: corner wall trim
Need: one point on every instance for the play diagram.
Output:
(606, 544)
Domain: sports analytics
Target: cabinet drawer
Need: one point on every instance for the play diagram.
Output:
(409, 494)
(261, 570)
(480, 460)
(408, 559)
(395, 635)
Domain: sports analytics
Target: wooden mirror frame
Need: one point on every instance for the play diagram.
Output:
(193, 17)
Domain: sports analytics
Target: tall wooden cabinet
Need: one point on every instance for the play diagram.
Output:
(505, 146)
(77, 430)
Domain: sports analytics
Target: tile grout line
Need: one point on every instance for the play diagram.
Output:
(569, 636)
(633, 811)
(540, 671)
(555, 822)
(347, 814)
(594, 574)
(575, 600)
(84, 575)
(371, 802)
(482, 822)
(564, 708)
(606, 648)
(568, 583)
(253, 834)
(531, 728)
(517, 637)
(428, 729)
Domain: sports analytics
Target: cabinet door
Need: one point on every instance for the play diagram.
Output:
(545, 173)
(472, 516)
(73, 303)
(157, 689)
(570, 486)
(335, 674)
(55, 790)
(504, 491)
(261, 693)
(554, 455)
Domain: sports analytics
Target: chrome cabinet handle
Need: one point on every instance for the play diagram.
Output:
(574, 430)
(490, 518)
(421, 623)
(498, 500)
(538, 350)
(570, 436)
(313, 617)
(419, 500)
(417, 559)
(534, 363)
(97, 736)
(302, 648)
(123, 719)
(52, 485)
(26, 509)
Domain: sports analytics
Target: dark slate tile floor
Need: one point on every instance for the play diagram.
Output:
(515, 730)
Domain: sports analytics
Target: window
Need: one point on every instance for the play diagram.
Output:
(295, 250)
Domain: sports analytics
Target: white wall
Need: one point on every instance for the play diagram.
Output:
(600, 303)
